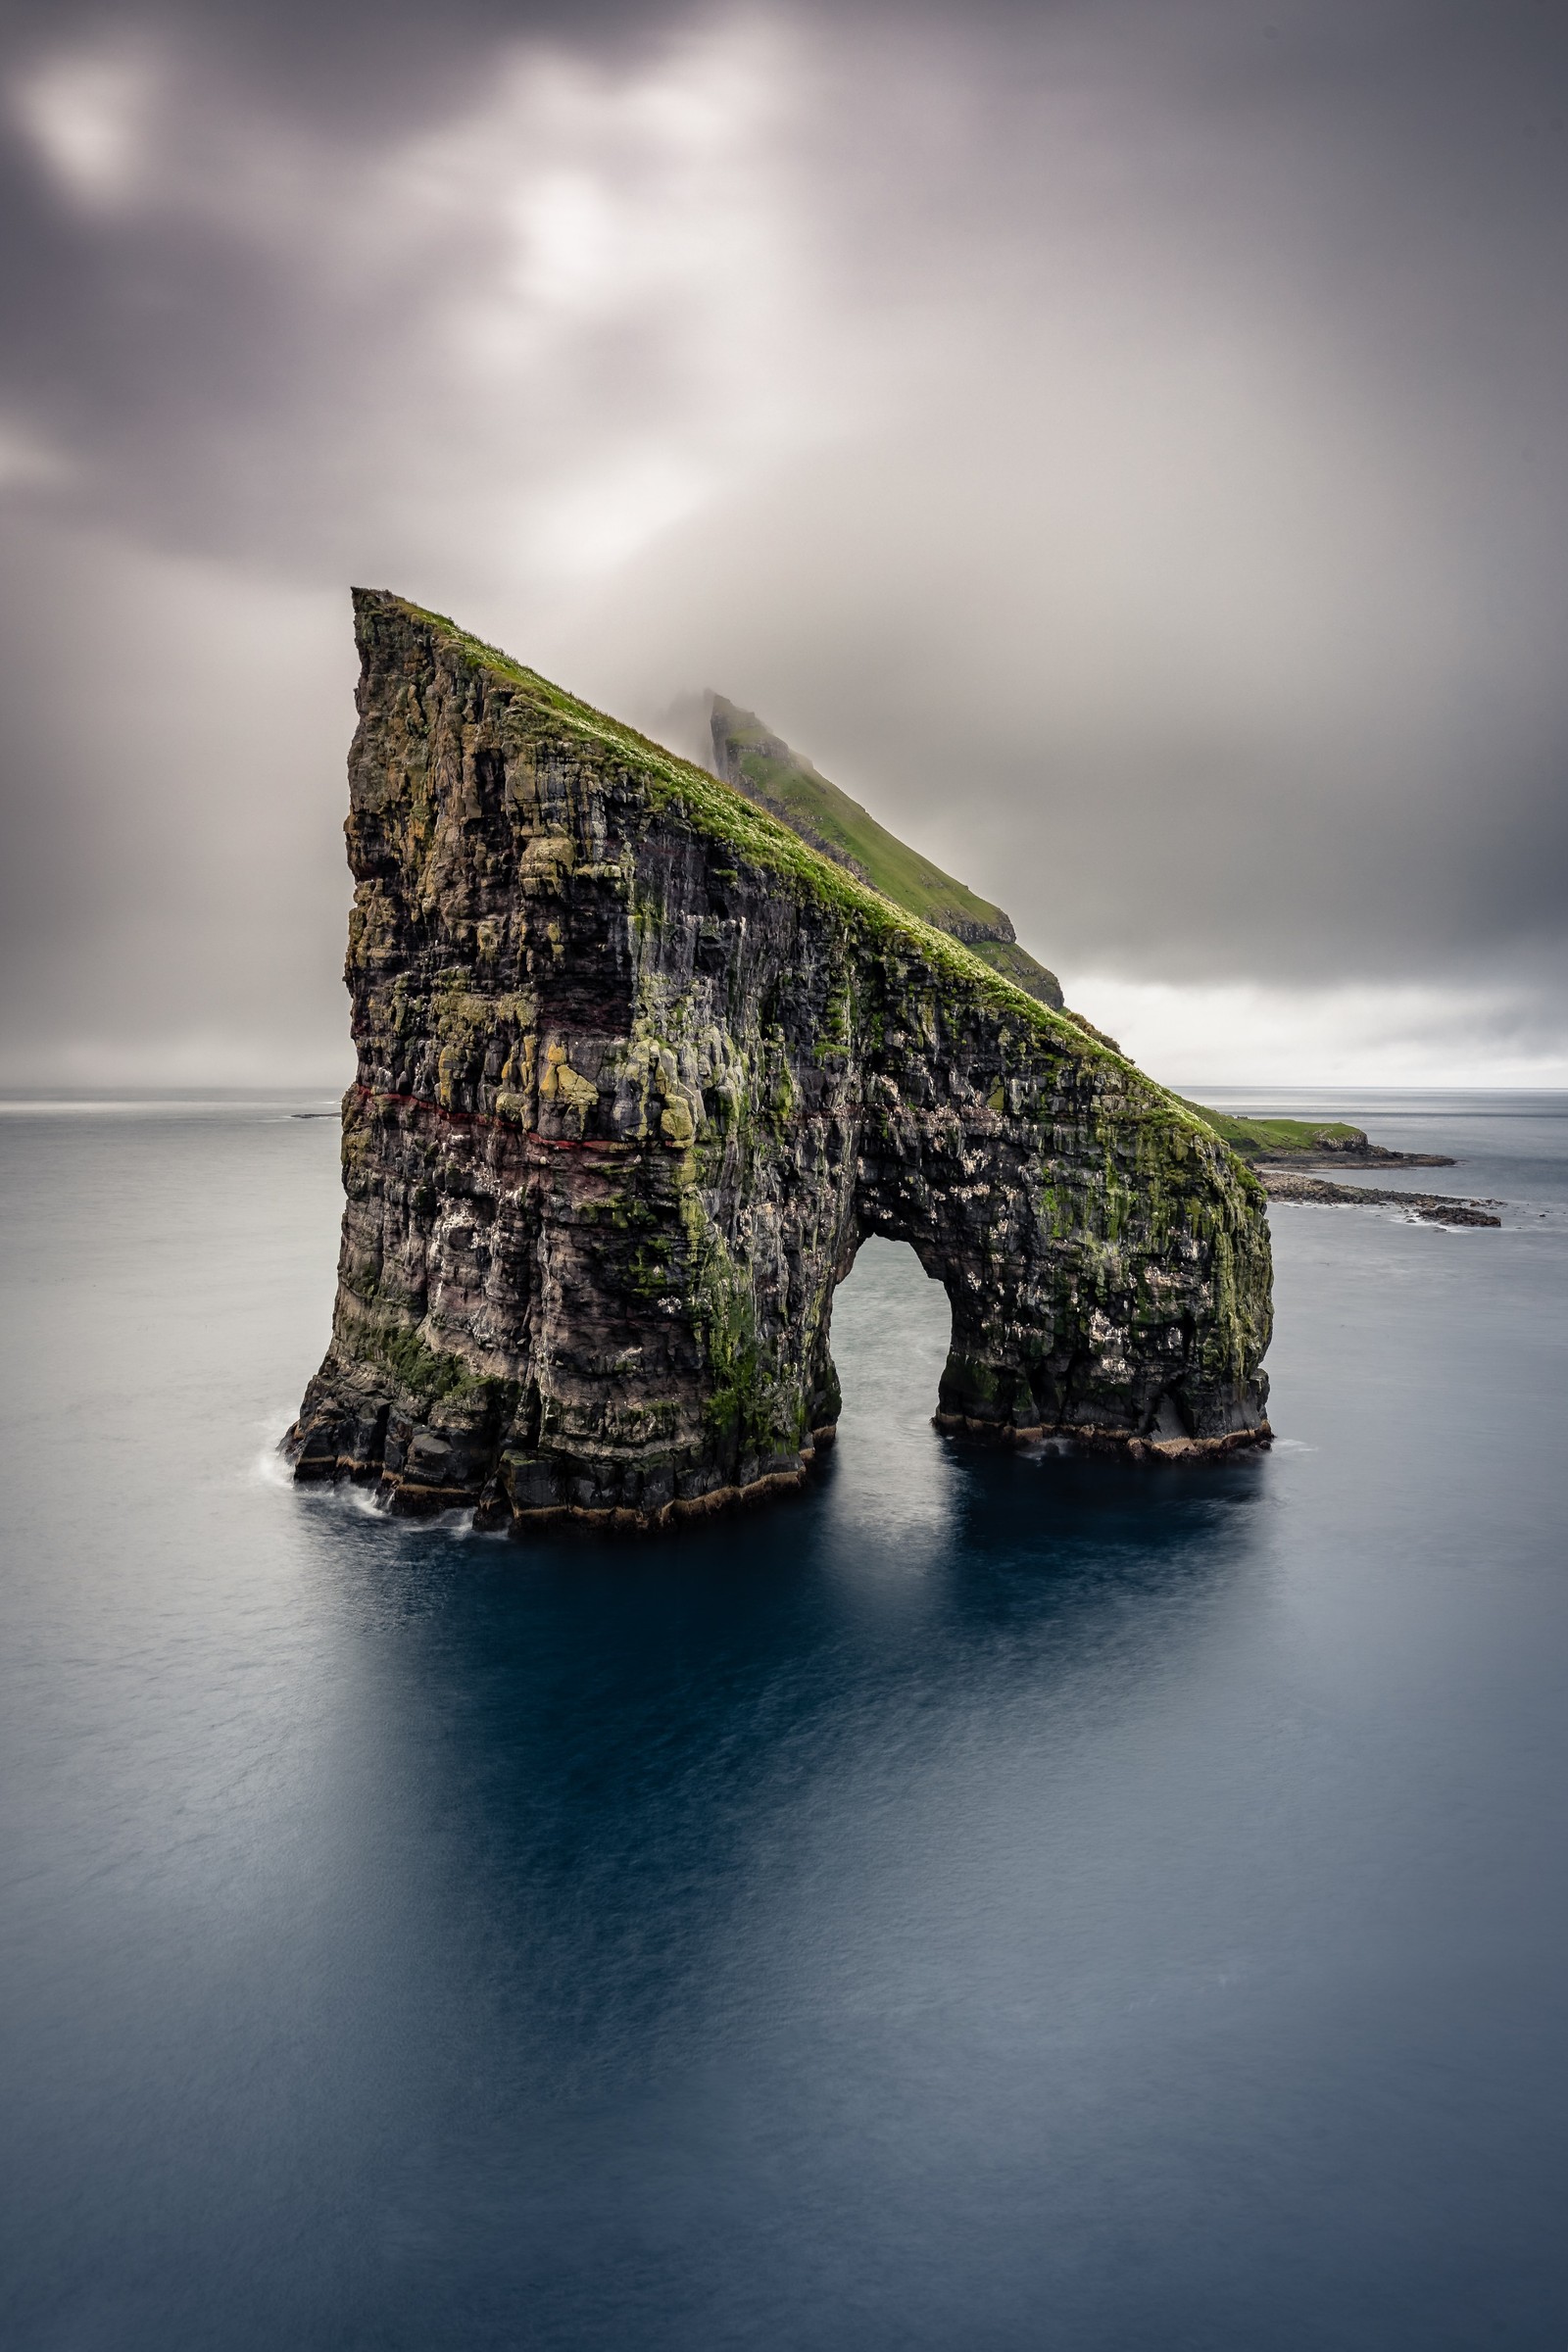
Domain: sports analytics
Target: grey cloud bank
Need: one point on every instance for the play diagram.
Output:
(1124, 447)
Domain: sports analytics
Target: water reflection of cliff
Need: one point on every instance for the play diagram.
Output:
(735, 1888)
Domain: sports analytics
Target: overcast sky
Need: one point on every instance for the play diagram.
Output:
(1126, 445)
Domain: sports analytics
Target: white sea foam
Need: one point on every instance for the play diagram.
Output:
(270, 1467)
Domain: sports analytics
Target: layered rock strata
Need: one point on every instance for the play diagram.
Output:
(638, 1071)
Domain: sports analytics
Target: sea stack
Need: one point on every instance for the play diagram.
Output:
(639, 1068)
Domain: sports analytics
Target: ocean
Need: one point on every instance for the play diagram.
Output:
(997, 1901)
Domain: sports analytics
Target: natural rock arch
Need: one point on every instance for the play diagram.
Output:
(638, 1071)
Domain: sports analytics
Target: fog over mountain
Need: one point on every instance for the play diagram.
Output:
(1125, 446)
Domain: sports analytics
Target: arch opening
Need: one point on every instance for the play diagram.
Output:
(890, 1334)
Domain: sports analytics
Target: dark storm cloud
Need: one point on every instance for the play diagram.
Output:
(1126, 443)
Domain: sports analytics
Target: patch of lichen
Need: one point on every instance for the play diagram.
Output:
(652, 1271)
(426, 1377)
(745, 1406)
(462, 1025)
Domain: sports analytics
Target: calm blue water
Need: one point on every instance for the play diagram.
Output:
(995, 1904)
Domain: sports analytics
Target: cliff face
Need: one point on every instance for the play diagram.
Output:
(639, 1070)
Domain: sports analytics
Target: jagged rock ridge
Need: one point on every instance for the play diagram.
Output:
(638, 1070)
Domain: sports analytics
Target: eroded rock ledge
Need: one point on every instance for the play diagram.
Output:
(639, 1070)
(1430, 1208)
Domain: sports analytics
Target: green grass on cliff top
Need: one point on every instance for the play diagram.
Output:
(719, 809)
(1267, 1139)
(753, 830)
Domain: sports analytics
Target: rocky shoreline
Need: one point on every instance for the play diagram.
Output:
(1363, 1155)
(1433, 1208)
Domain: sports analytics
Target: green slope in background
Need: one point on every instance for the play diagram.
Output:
(763, 765)
(1276, 1139)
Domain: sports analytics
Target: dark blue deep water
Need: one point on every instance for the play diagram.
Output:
(993, 1903)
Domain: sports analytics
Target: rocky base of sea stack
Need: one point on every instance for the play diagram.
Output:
(1169, 1448)
(493, 1513)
